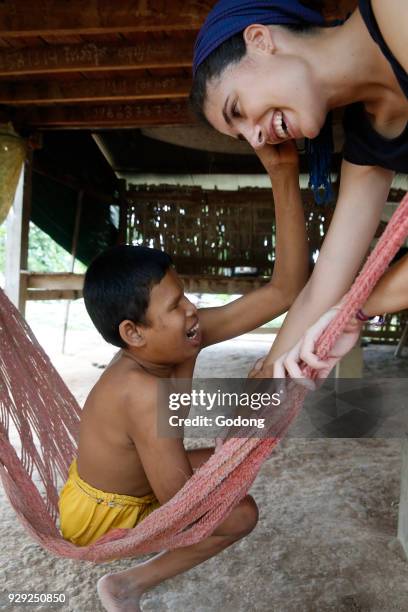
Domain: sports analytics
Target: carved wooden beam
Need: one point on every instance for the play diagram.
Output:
(22, 18)
(95, 57)
(106, 90)
(112, 116)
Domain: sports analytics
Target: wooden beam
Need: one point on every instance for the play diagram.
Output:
(220, 284)
(65, 286)
(106, 90)
(22, 18)
(96, 57)
(188, 197)
(52, 294)
(142, 114)
(55, 281)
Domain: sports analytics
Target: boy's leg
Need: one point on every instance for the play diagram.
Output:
(122, 591)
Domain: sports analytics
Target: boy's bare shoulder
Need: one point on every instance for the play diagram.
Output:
(131, 383)
(125, 385)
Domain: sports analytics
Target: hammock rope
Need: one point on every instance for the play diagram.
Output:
(37, 404)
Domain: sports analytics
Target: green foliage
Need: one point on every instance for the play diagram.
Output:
(44, 254)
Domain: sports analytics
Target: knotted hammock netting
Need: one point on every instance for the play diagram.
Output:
(38, 410)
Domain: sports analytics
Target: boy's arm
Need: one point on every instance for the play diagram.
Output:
(291, 256)
(164, 460)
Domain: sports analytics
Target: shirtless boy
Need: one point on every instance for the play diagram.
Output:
(136, 301)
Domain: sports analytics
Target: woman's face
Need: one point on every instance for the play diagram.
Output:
(268, 97)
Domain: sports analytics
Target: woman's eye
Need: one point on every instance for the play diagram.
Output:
(234, 110)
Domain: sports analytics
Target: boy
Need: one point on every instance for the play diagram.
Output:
(136, 301)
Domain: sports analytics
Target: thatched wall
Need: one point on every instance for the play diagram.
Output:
(211, 231)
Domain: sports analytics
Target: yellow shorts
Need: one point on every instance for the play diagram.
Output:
(87, 513)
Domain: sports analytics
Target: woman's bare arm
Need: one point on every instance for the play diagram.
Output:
(391, 292)
(362, 196)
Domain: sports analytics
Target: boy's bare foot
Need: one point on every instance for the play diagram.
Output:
(117, 595)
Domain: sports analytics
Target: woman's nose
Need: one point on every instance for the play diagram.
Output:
(256, 137)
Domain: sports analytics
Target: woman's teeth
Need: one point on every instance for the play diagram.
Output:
(280, 125)
(192, 333)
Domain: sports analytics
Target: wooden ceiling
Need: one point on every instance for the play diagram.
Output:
(101, 64)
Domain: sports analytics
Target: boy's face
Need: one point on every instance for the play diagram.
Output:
(172, 334)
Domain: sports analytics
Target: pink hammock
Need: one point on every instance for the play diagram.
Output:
(46, 417)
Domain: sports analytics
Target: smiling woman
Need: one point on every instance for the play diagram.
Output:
(236, 42)
(273, 71)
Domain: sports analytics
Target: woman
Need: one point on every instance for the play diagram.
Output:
(269, 72)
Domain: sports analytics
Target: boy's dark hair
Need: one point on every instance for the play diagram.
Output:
(117, 287)
(229, 52)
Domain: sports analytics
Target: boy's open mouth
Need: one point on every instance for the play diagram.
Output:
(192, 333)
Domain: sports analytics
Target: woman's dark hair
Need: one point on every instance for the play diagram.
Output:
(117, 287)
(229, 52)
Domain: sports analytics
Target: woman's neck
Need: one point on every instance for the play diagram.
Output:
(354, 68)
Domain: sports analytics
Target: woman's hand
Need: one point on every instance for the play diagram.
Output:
(303, 353)
(280, 157)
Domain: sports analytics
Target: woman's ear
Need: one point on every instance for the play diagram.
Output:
(132, 334)
(258, 37)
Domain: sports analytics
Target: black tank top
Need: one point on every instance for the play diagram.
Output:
(363, 145)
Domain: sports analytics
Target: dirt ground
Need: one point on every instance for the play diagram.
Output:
(326, 538)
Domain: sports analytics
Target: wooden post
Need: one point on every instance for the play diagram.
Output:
(18, 224)
(403, 505)
(123, 210)
(402, 342)
(351, 366)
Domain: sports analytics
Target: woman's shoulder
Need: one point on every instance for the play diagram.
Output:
(392, 20)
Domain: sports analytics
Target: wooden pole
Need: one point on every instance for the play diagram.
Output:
(402, 342)
(123, 210)
(17, 235)
(73, 252)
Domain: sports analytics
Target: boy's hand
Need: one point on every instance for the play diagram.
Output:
(257, 367)
(278, 158)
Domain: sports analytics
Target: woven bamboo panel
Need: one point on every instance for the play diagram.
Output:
(211, 231)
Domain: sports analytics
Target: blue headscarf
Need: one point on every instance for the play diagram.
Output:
(229, 17)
